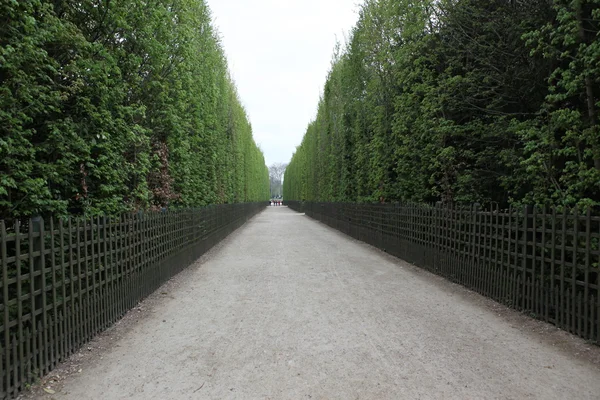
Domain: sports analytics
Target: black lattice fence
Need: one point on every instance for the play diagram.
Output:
(65, 281)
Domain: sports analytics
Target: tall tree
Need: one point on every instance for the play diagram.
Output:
(459, 101)
(112, 106)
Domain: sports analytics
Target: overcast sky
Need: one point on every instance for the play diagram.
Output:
(279, 53)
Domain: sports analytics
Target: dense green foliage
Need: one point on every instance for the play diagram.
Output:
(108, 106)
(459, 101)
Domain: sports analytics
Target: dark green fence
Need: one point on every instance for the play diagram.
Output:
(544, 262)
(65, 281)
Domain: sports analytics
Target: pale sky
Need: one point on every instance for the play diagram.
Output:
(279, 53)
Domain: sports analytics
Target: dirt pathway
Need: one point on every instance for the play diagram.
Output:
(287, 308)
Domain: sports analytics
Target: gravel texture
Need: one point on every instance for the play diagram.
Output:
(287, 308)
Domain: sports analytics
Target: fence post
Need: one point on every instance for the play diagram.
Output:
(587, 271)
(37, 281)
(5, 357)
(574, 315)
(524, 255)
(474, 210)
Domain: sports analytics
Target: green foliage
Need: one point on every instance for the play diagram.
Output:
(562, 147)
(459, 101)
(112, 106)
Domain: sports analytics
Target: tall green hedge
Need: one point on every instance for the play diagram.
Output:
(459, 101)
(109, 106)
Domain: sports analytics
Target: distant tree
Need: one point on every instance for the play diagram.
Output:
(276, 172)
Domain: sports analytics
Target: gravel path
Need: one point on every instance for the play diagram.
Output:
(287, 308)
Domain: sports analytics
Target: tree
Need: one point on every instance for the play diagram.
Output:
(459, 101)
(276, 172)
(561, 161)
(107, 107)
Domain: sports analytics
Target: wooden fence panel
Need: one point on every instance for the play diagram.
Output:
(64, 281)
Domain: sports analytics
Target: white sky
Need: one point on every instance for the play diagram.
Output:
(279, 53)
